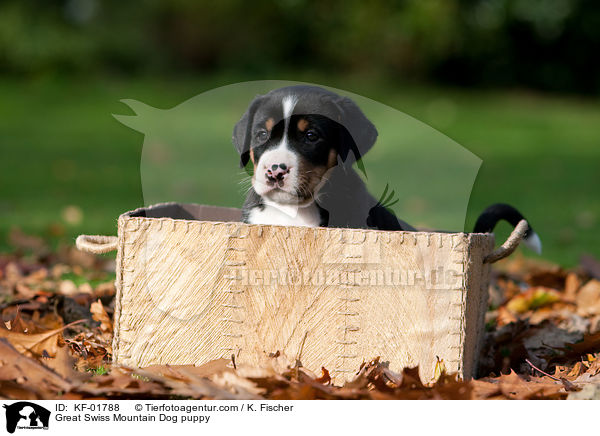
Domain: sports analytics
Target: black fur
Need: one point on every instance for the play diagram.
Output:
(496, 212)
(343, 200)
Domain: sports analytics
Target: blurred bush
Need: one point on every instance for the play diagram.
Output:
(546, 44)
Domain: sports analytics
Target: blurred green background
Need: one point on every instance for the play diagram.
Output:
(517, 82)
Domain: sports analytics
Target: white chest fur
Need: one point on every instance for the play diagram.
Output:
(308, 216)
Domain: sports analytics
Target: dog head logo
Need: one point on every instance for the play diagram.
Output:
(26, 415)
(188, 156)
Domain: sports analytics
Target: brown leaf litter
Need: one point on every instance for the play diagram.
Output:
(542, 341)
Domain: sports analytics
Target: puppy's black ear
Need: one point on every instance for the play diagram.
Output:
(358, 133)
(242, 132)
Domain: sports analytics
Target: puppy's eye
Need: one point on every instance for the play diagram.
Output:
(311, 136)
(262, 135)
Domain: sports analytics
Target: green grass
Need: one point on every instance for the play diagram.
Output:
(60, 146)
(101, 370)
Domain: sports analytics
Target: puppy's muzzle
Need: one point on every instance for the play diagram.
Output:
(276, 174)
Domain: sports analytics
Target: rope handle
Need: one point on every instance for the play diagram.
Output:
(97, 244)
(510, 245)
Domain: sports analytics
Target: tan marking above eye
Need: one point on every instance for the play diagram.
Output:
(269, 124)
(332, 161)
(302, 124)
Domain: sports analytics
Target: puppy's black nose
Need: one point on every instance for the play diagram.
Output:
(276, 173)
(281, 165)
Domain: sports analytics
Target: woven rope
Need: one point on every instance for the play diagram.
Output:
(509, 245)
(96, 244)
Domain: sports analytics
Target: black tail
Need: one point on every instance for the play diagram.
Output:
(496, 212)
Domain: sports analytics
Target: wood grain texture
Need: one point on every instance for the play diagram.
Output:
(189, 291)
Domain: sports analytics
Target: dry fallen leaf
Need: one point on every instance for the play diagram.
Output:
(32, 375)
(440, 369)
(99, 314)
(588, 299)
(515, 387)
(182, 372)
(36, 344)
(572, 285)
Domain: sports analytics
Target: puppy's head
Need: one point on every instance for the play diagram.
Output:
(294, 135)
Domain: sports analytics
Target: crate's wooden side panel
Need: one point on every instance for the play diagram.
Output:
(412, 322)
(417, 317)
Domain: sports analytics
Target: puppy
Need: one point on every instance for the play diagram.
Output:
(302, 142)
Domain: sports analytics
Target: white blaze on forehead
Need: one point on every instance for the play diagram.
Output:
(289, 102)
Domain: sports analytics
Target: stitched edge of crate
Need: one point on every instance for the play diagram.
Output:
(119, 290)
(466, 251)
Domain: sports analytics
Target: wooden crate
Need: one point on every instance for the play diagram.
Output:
(194, 284)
